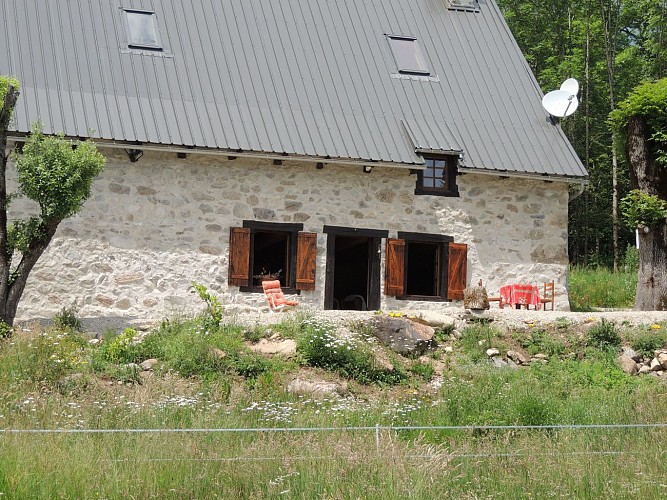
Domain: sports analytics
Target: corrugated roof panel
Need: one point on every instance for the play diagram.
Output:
(302, 77)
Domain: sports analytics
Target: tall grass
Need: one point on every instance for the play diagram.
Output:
(599, 287)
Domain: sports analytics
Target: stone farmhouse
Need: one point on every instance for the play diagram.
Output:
(371, 154)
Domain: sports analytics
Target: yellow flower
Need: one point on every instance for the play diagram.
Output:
(655, 326)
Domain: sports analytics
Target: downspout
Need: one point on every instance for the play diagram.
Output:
(574, 196)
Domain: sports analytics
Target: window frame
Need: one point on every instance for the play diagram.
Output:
(443, 242)
(158, 47)
(450, 170)
(293, 235)
(418, 55)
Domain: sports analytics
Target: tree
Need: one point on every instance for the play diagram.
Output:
(642, 120)
(55, 173)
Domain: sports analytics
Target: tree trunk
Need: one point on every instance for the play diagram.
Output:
(6, 108)
(651, 179)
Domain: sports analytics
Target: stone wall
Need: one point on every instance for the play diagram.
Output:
(153, 227)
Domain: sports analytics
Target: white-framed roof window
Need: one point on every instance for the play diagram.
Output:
(142, 32)
(408, 55)
(464, 4)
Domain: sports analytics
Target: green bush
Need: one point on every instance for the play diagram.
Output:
(319, 346)
(213, 314)
(50, 356)
(120, 349)
(603, 335)
(646, 342)
(67, 319)
(423, 370)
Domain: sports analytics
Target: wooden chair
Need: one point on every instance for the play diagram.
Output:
(498, 299)
(274, 294)
(548, 296)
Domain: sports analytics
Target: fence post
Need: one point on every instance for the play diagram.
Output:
(377, 439)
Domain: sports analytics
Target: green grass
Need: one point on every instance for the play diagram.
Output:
(599, 287)
(93, 387)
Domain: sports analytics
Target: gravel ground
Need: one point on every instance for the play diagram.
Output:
(261, 316)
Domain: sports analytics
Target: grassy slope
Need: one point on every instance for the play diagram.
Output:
(56, 379)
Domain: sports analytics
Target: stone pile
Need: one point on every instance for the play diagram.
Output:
(635, 363)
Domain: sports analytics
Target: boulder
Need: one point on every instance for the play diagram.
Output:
(628, 365)
(541, 357)
(517, 357)
(148, 364)
(403, 336)
(493, 352)
(662, 358)
(500, 363)
(316, 388)
(435, 319)
(644, 369)
(285, 347)
(655, 365)
(631, 353)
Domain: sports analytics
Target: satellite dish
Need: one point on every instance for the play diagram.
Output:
(570, 85)
(563, 102)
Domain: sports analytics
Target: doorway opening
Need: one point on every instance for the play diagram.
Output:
(353, 268)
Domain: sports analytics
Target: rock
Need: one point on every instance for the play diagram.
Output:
(655, 365)
(493, 352)
(148, 364)
(435, 319)
(644, 369)
(218, 353)
(285, 347)
(94, 341)
(477, 315)
(449, 349)
(631, 353)
(541, 357)
(402, 335)
(475, 298)
(662, 358)
(628, 365)
(517, 357)
(500, 363)
(316, 388)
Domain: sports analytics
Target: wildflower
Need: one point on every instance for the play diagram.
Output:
(655, 326)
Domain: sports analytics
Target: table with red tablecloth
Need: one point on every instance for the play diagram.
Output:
(520, 295)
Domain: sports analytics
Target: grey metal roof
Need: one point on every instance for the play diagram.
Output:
(296, 77)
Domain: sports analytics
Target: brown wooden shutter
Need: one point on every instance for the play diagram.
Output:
(458, 270)
(239, 256)
(394, 266)
(306, 261)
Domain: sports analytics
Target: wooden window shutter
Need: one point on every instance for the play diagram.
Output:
(394, 277)
(239, 256)
(458, 270)
(306, 261)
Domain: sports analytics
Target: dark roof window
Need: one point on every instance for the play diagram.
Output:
(142, 30)
(409, 58)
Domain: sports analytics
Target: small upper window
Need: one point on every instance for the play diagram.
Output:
(409, 58)
(142, 30)
(439, 177)
(464, 4)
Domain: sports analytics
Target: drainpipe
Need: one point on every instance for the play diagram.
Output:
(582, 186)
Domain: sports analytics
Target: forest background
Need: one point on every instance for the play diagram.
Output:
(610, 47)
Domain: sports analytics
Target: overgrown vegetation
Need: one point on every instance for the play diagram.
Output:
(599, 287)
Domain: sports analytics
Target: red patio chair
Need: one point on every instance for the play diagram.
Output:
(276, 297)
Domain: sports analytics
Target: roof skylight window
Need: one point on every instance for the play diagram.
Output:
(142, 30)
(409, 58)
(464, 4)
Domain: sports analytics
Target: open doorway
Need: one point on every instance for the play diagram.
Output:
(353, 269)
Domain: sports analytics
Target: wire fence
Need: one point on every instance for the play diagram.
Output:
(377, 430)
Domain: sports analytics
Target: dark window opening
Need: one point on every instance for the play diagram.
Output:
(271, 257)
(439, 177)
(422, 268)
(408, 56)
(142, 30)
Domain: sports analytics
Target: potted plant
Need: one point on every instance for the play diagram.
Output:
(265, 275)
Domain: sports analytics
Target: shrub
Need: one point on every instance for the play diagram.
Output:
(319, 346)
(49, 356)
(120, 349)
(67, 319)
(423, 370)
(213, 314)
(604, 335)
(646, 342)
